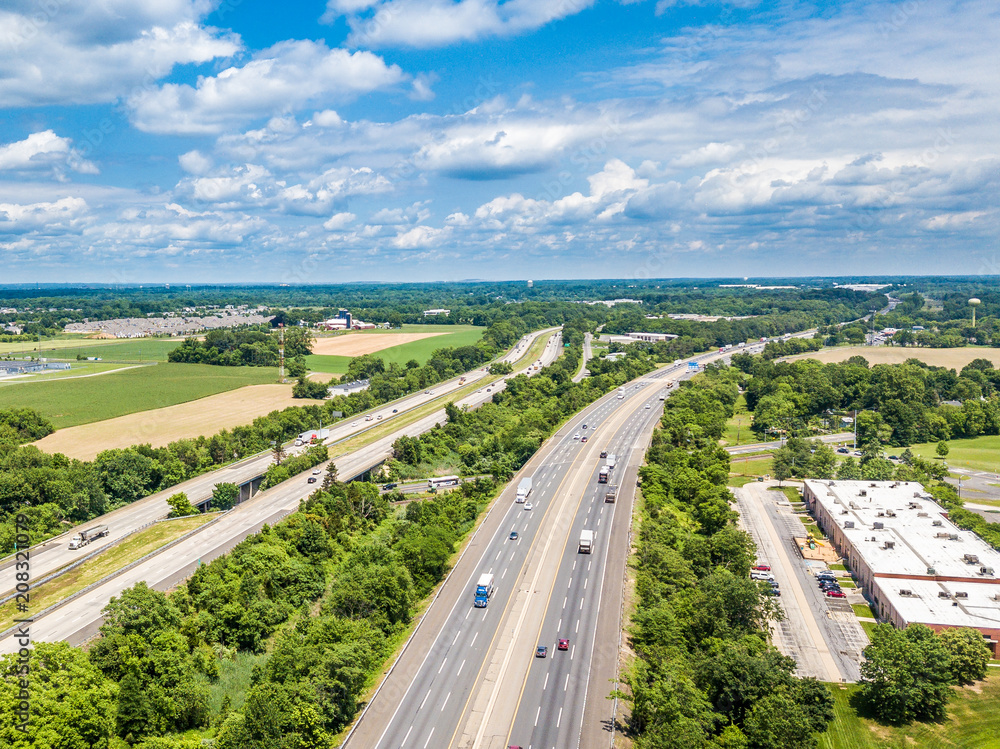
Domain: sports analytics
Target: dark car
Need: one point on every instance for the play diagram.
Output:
(541, 651)
(513, 536)
(604, 453)
(563, 644)
(583, 439)
(312, 480)
(395, 410)
(843, 450)
(583, 427)
(389, 487)
(772, 592)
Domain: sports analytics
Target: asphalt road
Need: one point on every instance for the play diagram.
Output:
(588, 354)
(79, 618)
(54, 554)
(759, 447)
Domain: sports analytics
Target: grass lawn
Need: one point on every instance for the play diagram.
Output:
(868, 627)
(749, 466)
(863, 609)
(136, 349)
(457, 335)
(982, 453)
(737, 431)
(740, 480)
(973, 722)
(85, 400)
(789, 491)
(137, 546)
(840, 567)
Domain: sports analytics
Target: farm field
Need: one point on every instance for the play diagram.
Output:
(954, 358)
(973, 722)
(981, 453)
(70, 402)
(333, 355)
(161, 426)
(132, 350)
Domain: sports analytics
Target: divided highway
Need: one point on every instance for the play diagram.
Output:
(79, 619)
(54, 554)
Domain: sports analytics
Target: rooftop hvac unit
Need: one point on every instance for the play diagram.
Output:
(944, 594)
(889, 545)
(853, 506)
(970, 559)
(915, 506)
(931, 571)
(862, 493)
(848, 523)
(937, 523)
(843, 512)
(890, 513)
(952, 536)
(877, 526)
(985, 570)
(995, 596)
(829, 483)
(922, 514)
(872, 484)
(836, 501)
(881, 513)
(941, 535)
(961, 594)
(905, 592)
(916, 494)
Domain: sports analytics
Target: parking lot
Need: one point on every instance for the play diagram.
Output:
(822, 634)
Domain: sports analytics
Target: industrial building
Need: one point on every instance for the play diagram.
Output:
(10, 368)
(344, 321)
(913, 564)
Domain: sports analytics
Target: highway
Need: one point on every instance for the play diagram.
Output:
(55, 554)
(588, 354)
(468, 677)
(78, 619)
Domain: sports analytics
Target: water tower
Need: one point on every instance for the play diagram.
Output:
(974, 302)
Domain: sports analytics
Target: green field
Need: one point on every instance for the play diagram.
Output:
(737, 431)
(70, 402)
(750, 466)
(132, 350)
(973, 723)
(457, 335)
(79, 369)
(982, 453)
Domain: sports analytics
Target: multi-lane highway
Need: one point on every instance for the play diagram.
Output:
(55, 554)
(80, 618)
(470, 676)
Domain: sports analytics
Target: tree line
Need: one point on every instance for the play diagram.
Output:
(251, 346)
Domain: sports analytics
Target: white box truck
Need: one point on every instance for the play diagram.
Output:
(586, 542)
(611, 494)
(85, 537)
(484, 590)
(611, 461)
(523, 489)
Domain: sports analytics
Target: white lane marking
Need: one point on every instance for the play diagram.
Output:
(577, 626)
(503, 573)
(537, 713)
(584, 583)
(473, 639)
(566, 683)
(559, 719)
(546, 684)
(424, 700)
(574, 564)
(467, 613)
(564, 601)
(581, 603)
(559, 626)
(406, 736)
(460, 667)
(572, 652)
(431, 734)
(456, 636)
(570, 583)
(442, 664)
(588, 565)
(445, 701)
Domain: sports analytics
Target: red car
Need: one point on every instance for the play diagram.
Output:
(564, 644)
(763, 567)
(836, 594)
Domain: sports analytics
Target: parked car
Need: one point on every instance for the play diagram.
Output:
(563, 644)
(843, 450)
(772, 592)
(541, 651)
(763, 567)
(836, 594)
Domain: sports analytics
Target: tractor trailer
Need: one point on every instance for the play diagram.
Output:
(523, 489)
(85, 537)
(611, 494)
(484, 590)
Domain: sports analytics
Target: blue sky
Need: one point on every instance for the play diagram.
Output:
(397, 140)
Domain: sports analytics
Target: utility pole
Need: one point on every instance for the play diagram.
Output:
(281, 352)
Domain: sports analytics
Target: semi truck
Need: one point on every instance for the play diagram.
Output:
(484, 590)
(523, 489)
(611, 494)
(313, 435)
(586, 542)
(85, 537)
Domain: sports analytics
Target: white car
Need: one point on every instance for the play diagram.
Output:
(576, 436)
(317, 472)
(354, 423)
(647, 406)
(528, 505)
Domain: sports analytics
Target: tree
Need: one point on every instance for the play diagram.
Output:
(969, 655)
(180, 506)
(942, 449)
(225, 496)
(906, 674)
(823, 463)
(849, 470)
(139, 610)
(783, 464)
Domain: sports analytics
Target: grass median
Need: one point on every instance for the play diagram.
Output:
(133, 548)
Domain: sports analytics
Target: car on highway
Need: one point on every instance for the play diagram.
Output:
(513, 536)
(312, 480)
(843, 450)
(389, 487)
(647, 406)
(604, 453)
(428, 392)
(395, 410)
(541, 651)
(317, 471)
(836, 594)
(583, 439)
(378, 418)
(489, 390)
(583, 426)
(354, 423)
(528, 505)
(563, 643)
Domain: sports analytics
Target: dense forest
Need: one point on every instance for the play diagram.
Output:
(255, 346)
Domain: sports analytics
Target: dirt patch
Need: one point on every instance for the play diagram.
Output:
(954, 358)
(161, 426)
(357, 344)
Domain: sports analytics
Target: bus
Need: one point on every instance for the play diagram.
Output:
(437, 481)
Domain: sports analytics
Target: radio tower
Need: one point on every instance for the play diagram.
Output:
(281, 352)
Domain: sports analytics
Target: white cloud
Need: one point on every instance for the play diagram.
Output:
(43, 151)
(420, 237)
(286, 76)
(327, 118)
(434, 23)
(710, 153)
(195, 162)
(57, 216)
(339, 221)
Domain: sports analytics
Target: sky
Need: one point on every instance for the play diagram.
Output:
(407, 140)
